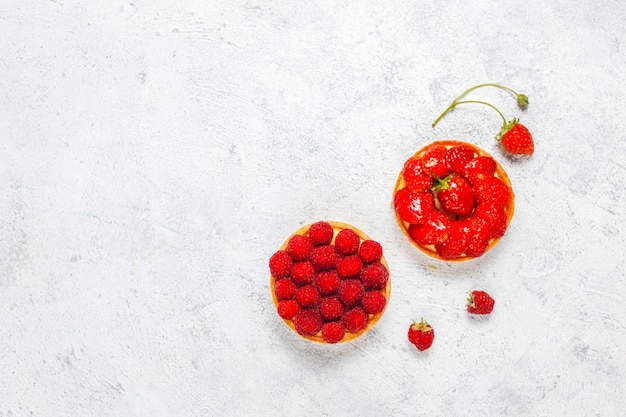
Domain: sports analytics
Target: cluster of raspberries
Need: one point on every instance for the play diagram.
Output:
(328, 285)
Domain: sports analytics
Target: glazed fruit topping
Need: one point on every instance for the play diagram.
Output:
(329, 284)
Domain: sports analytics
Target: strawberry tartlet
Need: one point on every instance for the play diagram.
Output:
(330, 282)
(453, 200)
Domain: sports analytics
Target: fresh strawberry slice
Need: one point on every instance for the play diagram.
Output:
(434, 161)
(458, 240)
(480, 236)
(491, 189)
(455, 195)
(479, 167)
(457, 157)
(434, 231)
(415, 177)
(495, 216)
(413, 207)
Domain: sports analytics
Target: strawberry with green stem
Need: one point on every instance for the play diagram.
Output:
(513, 135)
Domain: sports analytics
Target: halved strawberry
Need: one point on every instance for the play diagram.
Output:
(458, 240)
(415, 177)
(491, 188)
(433, 231)
(457, 157)
(413, 207)
(434, 161)
(479, 167)
(481, 234)
(495, 215)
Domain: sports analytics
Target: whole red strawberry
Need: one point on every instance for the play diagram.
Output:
(479, 302)
(434, 161)
(455, 195)
(421, 335)
(516, 138)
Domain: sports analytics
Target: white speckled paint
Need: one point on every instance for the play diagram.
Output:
(153, 155)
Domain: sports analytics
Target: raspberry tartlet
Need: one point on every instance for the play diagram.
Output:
(330, 282)
(453, 200)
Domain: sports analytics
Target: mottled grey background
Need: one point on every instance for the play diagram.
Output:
(154, 154)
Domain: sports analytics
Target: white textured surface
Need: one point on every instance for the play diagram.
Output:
(153, 154)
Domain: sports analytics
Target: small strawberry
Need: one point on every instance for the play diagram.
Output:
(513, 136)
(491, 189)
(479, 302)
(355, 320)
(299, 247)
(302, 272)
(308, 296)
(455, 195)
(349, 266)
(458, 240)
(331, 308)
(347, 242)
(321, 233)
(413, 207)
(308, 322)
(434, 161)
(351, 291)
(333, 332)
(373, 302)
(280, 264)
(480, 237)
(370, 251)
(457, 157)
(479, 167)
(433, 231)
(328, 282)
(287, 309)
(421, 335)
(415, 177)
(374, 276)
(324, 257)
(284, 288)
(495, 216)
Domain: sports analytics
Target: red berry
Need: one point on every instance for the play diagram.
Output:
(370, 251)
(373, 302)
(457, 157)
(308, 322)
(491, 188)
(280, 264)
(434, 231)
(413, 207)
(495, 216)
(350, 292)
(455, 195)
(347, 242)
(355, 320)
(328, 282)
(302, 273)
(308, 296)
(516, 138)
(415, 177)
(284, 288)
(479, 167)
(349, 266)
(331, 308)
(421, 335)
(374, 276)
(299, 247)
(321, 233)
(333, 332)
(287, 309)
(479, 302)
(480, 236)
(434, 161)
(457, 241)
(324, 257)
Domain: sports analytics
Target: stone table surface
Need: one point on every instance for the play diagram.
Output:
(154, 154)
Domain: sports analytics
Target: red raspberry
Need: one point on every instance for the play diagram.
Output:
(308, 296)
(299, 247)
(284, 288)
(347, 242)
(457, 157)
(331, 308)
(374, 276)
(349, 266)
(373, 302)
(324, 257)
(280, 264)
(303, 272)
(370, 251)
(415, 177)
(308, 322)
(355, 320)
(321, 233)
(328, 282)
(287, 309)
(351, 291)
(333, 332)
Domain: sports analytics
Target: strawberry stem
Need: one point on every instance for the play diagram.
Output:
(456, 103)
